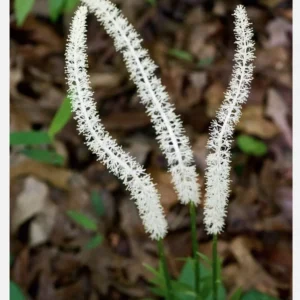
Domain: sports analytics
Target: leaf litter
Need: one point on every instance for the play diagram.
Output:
(51, 260)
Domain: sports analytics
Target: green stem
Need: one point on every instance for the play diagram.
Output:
(195, 246)
(163, 260)
(215, 268)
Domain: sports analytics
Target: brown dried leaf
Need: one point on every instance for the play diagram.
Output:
(58, 177)
(214, 96)
(278, 30)
(165, 187)
(278, 111)
(248, 273)
(30, 202)
(253, 122)
(126, 120)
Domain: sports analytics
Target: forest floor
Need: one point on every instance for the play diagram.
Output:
(192, 42)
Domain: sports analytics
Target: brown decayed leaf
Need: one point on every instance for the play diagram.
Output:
(214, 96)
(278, 30)
(30, 202)
(58, 177)
(253, 122)
(248, 273)
(277, 110)
(200, 151)
(128, 120)
(165, 187)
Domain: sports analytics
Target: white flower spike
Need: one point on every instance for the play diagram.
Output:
(170, 132)
(99, 141)
(219, 142)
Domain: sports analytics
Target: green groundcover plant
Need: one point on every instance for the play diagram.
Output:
(200, 277)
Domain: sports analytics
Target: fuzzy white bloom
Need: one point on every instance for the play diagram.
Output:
(219, 142)
(99, 141)
(169, 129)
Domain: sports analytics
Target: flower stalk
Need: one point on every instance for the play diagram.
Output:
(162, 258)
(195, 247)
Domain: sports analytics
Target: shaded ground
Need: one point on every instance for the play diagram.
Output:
(49, 258)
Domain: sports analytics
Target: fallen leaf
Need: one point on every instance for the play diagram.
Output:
(105, 80)
(253, 122)
(200, 150)
(41, 226)
(214, 96)
(248, 273)
(278, 30)
(58, 177)
(126, 120)
(278, 111)
(30, 202)
(163, 181)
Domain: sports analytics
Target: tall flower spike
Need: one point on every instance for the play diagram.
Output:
(99, 141)
(221, 130)
(170, 132)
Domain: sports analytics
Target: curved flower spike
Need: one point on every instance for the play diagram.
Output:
(99, 141)
(170, 132)
(221, 130)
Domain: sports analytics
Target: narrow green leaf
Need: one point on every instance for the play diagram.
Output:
(82, 220)
(155, 272)
(183, 289)
(251, 145)
(181, 54)
(22, 9)
(29, 138)
(256, 295)
(61, 117)
(237, 294)
(151, 2)
(205, 62)
(15, 292)
(97, 203)
(45, 156)
(94, 242)
(55, 8)
(70, 5)
(158, 291)
(205, 258)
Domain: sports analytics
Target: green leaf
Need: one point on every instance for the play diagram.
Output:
(82, 220)
(187, 277)
(158, 291)
(94, 242)
(181, 54)
(151, 2)
(15, 292)
(155, 272)
(237, 294)
(45, 156)
(183, 290)
(22, 9)
(255, 295)
(55, 8)
(251, 145)
(70, 5)
(29, 138)
(205, 62)
(205, 258)
(97, 203)
(61, 117)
